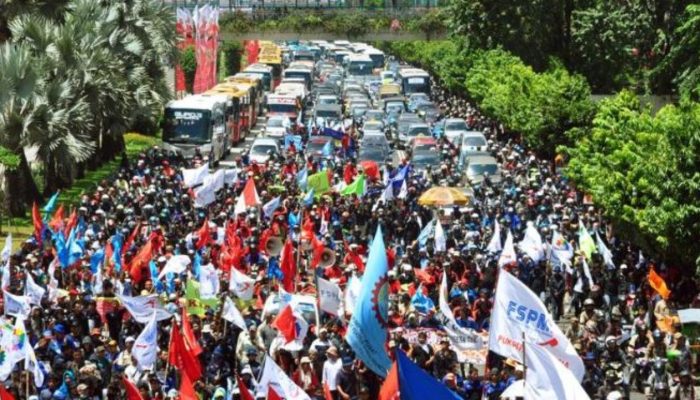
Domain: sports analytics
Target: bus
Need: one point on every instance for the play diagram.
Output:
(196, 124)
(359, 65)
(299, 72)
(246, 115)
(287, 105)
(271, 55)
(414, 80)
(256, 82)
(232, 113)
(377, 57)
(264, 72)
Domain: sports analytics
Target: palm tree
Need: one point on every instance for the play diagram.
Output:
(18, 84)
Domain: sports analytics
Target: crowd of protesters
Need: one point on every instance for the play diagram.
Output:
(619, 325)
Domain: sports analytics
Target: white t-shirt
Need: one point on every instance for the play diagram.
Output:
(330, 372)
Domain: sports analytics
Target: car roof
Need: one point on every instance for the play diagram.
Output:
(455, 120)
(419, 125)
(265, 141)
(409, 116)
(482, 159)
(473, 134)
(423, 140)
(327, 107)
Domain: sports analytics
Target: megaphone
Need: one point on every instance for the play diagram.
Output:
(327, 258)
(273, 247)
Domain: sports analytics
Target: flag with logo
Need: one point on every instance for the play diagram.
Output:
(196, 304)
(241, 284)
(290, 325)
(17, 306)
(145, 348)
(329, 295)
(517, 311)
(367, 332)
(319, 182)
(561, 250)
(33, 291)
(141, 308)
(13, 344)
(231, 314)
(585, 242)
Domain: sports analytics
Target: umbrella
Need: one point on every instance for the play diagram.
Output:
(443, 196)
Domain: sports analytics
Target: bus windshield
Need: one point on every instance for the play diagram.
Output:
(187, 126)
(282, 108)
(361, 68)
(378, 60)
(415, 84)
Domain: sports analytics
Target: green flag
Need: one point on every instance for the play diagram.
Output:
(585, 242)
(319, 183)
(196, 305)
(356, 187)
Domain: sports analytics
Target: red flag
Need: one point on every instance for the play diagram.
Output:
(72, 222)
(272, 395)
(180, 358)
(266, 235)
(4, 394)
(424, 276)
(658, 284)
(250, 194)
(131, 238)
(288, 267)
(371, 169)
(390, 387)
(318, 249)
(56, 222)
(327, 395)
(109, 252)
(132, 392)
(243, 391)
(140, 260)
(187, 389)
(203, 235)
(190, 339)
(38, 223)
(286, 323)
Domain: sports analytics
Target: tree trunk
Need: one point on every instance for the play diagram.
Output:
(20, 188)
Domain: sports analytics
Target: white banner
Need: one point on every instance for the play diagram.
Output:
(194, 176)
(329, 295)
(462, 340)
(518, 310)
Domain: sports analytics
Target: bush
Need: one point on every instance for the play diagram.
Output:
(231, 57)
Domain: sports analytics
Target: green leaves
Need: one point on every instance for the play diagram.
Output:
(644, 170)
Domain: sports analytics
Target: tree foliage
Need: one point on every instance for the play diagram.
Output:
(188, 63)
(540, 106)
(644, 170)
(683, 60)
(75, 81)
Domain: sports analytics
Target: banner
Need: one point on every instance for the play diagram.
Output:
(475, 356)
(464, 341)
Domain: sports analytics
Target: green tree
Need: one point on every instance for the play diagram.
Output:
(683, 60)
(643, 169)
(188, 63)
(232, 51)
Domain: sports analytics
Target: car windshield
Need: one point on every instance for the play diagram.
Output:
(418, 130)
(315, 146)
(374, 154)
(260, 149)
(327, 114)
(424, 158)
(275, 123)
(474, 141)
(456, 126)
(480, 169)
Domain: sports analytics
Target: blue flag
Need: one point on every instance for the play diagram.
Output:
(327, 150)
(426, 233)
(309, 197)
(367, 333)
(421, 302)
(157, 284)
(69, 251)
(273, 269)
(270, 207)
(292, 220)
(117, 245)
(416, 384)
(196, 264)
(303, 178)
(338, 135)
(96, 260)
(51, 204)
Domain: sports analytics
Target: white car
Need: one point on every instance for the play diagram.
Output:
(276, 126)
(262, 148)
(454, 128)
(473, 142)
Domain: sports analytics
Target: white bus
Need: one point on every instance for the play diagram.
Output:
(414, 80)
(359, 65)
(196, 123)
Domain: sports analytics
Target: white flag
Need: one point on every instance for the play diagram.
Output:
(561, 250)
(33, 291)
(194, 176)
(462, 340)
(215, 180)
(241, 284)
(145, 349)
(329, 296)
(517, 310)
(205, 194)
(403, 192)
(208, 281)
(142, 307)
(32, 364)
(508, 255)
(7, 250)
(176, 264)
(17, 306)
(604, 251)
(13, 342)
(275, 377)
(352, 292)
(532, 243)
(232, 315)
(97, 282)
(440, 239)
(240, 207)
(5, 283)
(548, 378)
(495, 246)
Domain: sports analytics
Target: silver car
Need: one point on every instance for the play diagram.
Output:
(481, 165)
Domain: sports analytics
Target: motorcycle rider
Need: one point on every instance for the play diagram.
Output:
(612, 384)
(659, 381)
(685, 389)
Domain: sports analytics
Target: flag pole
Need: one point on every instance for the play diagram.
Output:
(26, 373)
(524, 365)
